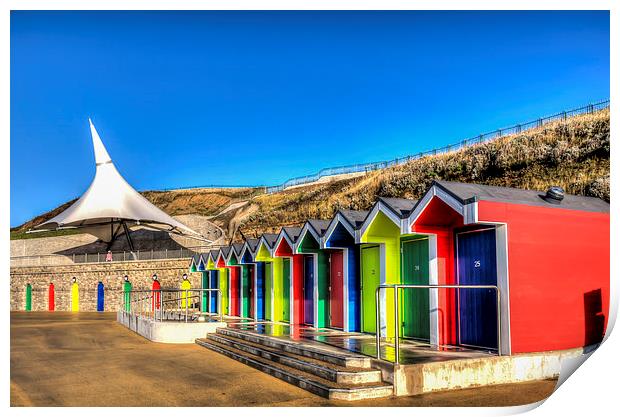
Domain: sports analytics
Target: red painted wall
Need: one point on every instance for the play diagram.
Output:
(440, 220)
(445, 276)
(558, 273)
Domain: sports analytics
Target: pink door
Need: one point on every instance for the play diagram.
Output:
(336, 302)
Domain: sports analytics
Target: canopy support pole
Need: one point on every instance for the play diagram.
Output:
(129, 241)
(113, 235)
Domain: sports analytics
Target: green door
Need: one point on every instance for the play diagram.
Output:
(286, 289)
(245, 291)
(414, 311)
(322, 277)
(205, 295)
(371, 278)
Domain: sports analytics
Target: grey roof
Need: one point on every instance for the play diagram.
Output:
(238, 247)
(252, 244)
(195, 259)
(271, 239)
(319, 226)
(402, 207)
(225, 250)
(292, 232)
(467, 193)
(355, 217)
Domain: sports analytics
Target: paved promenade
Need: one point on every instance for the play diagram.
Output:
(87, 359)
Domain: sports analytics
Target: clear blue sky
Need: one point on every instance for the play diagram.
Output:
(191, 98)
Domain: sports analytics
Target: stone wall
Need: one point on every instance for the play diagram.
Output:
(169, 272)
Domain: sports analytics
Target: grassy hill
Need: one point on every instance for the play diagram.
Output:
(572, 153)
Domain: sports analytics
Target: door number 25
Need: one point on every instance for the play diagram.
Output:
(477, 264)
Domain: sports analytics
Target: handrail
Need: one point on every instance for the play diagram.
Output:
(156, 306)
(396, 287)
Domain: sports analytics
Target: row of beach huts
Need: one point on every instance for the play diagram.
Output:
(542, 259)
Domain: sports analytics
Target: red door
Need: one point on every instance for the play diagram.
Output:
(234, 291)
(336, 303)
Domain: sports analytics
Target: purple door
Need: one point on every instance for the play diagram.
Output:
(309, 289)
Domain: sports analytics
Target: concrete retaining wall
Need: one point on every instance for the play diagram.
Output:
(466, 373)
(167, 331)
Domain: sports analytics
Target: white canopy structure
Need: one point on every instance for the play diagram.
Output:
(111, 207)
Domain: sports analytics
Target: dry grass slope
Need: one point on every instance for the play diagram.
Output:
(573, 154)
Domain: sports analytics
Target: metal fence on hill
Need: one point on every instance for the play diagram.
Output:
(373, 166)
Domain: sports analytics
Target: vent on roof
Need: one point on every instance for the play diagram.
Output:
(554, 195)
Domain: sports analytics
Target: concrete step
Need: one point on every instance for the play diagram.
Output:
(309, 382)
(329, 371)
(327, 354)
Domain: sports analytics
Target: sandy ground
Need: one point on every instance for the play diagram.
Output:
(87, 359)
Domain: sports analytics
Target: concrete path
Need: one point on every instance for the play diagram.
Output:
(87, 359)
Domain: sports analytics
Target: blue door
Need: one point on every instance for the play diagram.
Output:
(100, 301)
(477, 265)
(214, 279)
(309, 289)
(260, 291)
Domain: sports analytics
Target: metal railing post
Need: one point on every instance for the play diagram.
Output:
(396, 326)
(219, 304)
(499, 323)
(378, 321)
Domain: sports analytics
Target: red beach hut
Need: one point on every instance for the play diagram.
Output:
(547, 252)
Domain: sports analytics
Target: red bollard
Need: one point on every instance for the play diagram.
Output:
(51, 305)
(156, 298)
